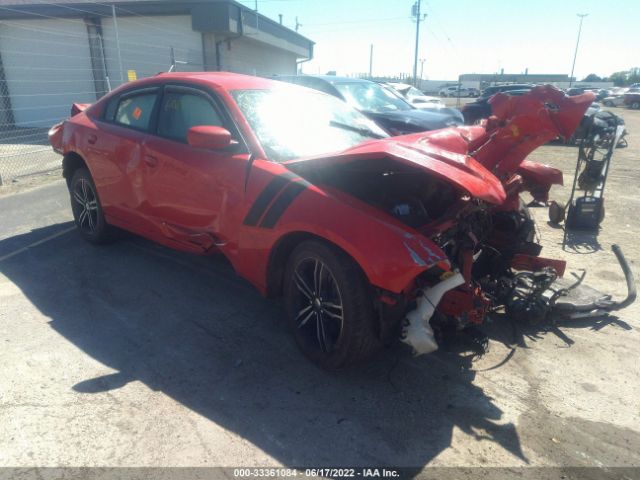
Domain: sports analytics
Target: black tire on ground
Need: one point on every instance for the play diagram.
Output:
(557, 212)
(86, 207)
(601, 216)
(531, 234)
(329, 306)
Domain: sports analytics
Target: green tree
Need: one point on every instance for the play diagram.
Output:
(592, 77)
(619, 79)
(634, 76)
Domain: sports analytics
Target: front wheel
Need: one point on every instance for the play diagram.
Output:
(329, 306)
(87, 211)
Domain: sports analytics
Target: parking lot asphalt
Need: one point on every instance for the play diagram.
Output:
(134, 355)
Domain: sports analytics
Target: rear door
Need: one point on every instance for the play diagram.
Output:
(194, 194)
(114, 152)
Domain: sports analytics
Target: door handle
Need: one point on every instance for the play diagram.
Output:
(150, 160)
(92, 139)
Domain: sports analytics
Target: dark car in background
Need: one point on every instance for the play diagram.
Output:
(600, 93)
(380, 104)
(632, 99)
(475, 111)
(490, 91)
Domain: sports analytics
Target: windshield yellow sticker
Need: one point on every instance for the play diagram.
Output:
(131, 75)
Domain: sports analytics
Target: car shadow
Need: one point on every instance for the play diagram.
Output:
(581, 241)
(513, 333)
(188, 327)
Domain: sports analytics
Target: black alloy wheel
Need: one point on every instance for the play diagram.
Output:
(329, 305)
(86, 208)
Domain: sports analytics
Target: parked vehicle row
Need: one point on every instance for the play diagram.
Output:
(368, 238)
(459, 91)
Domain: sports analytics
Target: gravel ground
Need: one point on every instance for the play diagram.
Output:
(133, 355)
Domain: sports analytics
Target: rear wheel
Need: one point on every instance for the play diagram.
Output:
(87, 211)
(329, 306)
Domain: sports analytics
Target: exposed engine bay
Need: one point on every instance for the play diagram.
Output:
(461, 191)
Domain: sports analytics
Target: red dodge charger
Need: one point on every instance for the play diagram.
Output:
(368, 238)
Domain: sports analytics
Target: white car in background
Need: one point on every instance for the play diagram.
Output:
(614, 101)
(415, 97)
(456, 91)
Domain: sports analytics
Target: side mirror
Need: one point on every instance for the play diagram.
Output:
(210, 137)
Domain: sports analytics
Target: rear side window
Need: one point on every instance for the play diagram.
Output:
(136, 111)
(180, 111)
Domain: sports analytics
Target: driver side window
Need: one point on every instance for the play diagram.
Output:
(180, 111)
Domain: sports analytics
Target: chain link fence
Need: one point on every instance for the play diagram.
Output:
(47, 63)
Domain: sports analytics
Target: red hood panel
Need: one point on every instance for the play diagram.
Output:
(414, 150)
(476, 159)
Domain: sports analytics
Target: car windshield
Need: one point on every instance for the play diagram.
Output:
(371, 97)
(412, 92)
(293, 122)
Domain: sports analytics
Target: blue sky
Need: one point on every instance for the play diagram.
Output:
(465, 36)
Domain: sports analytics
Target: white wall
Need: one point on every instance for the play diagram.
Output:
(47, 67)
(145, 45)
(247, 56)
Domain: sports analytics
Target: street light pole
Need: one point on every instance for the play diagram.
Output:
(575, 54)
(415, 11)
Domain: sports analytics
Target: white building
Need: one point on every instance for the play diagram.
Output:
(53, 54)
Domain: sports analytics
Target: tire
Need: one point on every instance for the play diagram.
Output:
(86, 207)
(556, 212)
(635, 105)
(531, 233)
(601, 216)
(608, 103)
(329, 306)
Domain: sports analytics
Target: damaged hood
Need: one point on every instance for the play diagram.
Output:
(476, 159)
(415, 120)
(460, 170)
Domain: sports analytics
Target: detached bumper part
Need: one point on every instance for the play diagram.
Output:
(416, 330)
(581, 302)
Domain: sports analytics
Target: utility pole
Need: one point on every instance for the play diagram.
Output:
(575, 54)
(115, 26)
(371, 62)
(298, 24)
(415, 12)
(257, 19)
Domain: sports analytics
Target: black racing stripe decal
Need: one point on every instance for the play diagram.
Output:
(266, 197)
(282, 203)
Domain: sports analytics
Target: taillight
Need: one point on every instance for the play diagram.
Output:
(55, 136)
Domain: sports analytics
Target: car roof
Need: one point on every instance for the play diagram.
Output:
(511, 86)
(332, 79)
(225, 80)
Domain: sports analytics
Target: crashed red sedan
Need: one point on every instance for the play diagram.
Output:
(368, 238)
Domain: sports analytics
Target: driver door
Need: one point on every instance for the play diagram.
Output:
(193, 194)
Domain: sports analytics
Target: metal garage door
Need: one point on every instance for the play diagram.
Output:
(47, 66)
(146, 44)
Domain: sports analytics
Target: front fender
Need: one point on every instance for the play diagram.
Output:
(390, 254)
